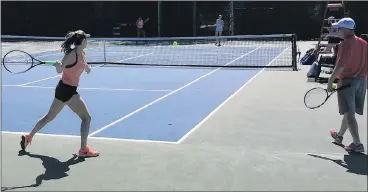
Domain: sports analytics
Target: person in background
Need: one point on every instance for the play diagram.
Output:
(333, 36)
(219, 29)
(140, 30)
(351, 69)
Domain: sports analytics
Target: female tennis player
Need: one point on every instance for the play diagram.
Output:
(219, 29)
(140, 29)
(71, 67)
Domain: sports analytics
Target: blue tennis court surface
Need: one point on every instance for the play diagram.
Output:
(192, 128)
(140, 103)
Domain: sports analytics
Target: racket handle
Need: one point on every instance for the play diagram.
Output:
(50, 62)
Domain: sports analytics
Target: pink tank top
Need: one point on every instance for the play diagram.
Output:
(71, 76)
(140, 23)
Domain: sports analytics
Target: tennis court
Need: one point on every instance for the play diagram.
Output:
(177, 128)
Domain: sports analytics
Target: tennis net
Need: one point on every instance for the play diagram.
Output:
(246, 51)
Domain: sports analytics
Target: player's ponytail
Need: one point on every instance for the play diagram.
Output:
(73, 38)
(66, 47)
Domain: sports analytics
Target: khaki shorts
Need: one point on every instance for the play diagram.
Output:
(351, 99)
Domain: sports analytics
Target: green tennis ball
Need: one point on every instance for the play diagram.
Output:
(334, 86)
(175, 43)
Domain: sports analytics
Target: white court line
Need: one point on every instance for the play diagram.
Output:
(96, 138)
(44, 79)
(92, 67)
(159, 99)
(94, 88)
(228, 99)
(274, 154)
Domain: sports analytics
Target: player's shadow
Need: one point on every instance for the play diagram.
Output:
(54, 169)
(354, 162)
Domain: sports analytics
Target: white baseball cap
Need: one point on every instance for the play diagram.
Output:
(347, 23)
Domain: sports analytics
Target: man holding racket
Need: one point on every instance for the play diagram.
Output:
(351, 69)
(71, 67)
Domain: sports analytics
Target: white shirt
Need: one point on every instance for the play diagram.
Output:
(333, 32)
(219, 23)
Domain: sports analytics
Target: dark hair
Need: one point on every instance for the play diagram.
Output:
(72, 38)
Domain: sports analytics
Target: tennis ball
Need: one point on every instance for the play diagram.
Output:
(175, 43)
(334, 86)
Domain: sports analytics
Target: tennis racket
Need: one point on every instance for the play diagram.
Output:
(205, 26)
(318, 96)
(17, 61)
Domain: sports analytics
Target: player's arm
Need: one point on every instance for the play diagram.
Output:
(88, 68)
(341, 59)
(68, 58)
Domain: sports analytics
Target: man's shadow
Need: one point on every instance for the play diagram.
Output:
(54, 169)
(354, 162)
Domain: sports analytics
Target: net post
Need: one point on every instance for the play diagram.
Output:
(231, 17)
(294, 52)
(159, 18)
(104, 49)
(194, 18)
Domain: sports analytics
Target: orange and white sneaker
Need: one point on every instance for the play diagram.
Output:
(26, 139)
(87, 152)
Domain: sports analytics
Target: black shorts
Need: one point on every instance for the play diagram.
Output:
(64, 92)
(334, 40)
(140, 30)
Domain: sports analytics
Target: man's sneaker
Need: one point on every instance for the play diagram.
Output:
(26, 139)
(356, 148)
(88, 152)
(337, 138)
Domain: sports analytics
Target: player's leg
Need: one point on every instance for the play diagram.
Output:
(220, 34)
(344, 98)
(143, 33)
(138, 32)
(55, 109)
(61, 96)
(357, 106)
(360, 95)
(77, 104)
(338, 136)
(138, 35)
(216, 34)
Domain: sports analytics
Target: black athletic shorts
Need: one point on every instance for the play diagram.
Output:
(64, 92)
(140, 30)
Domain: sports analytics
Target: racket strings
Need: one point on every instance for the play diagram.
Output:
(17, 62)
(315, 97)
